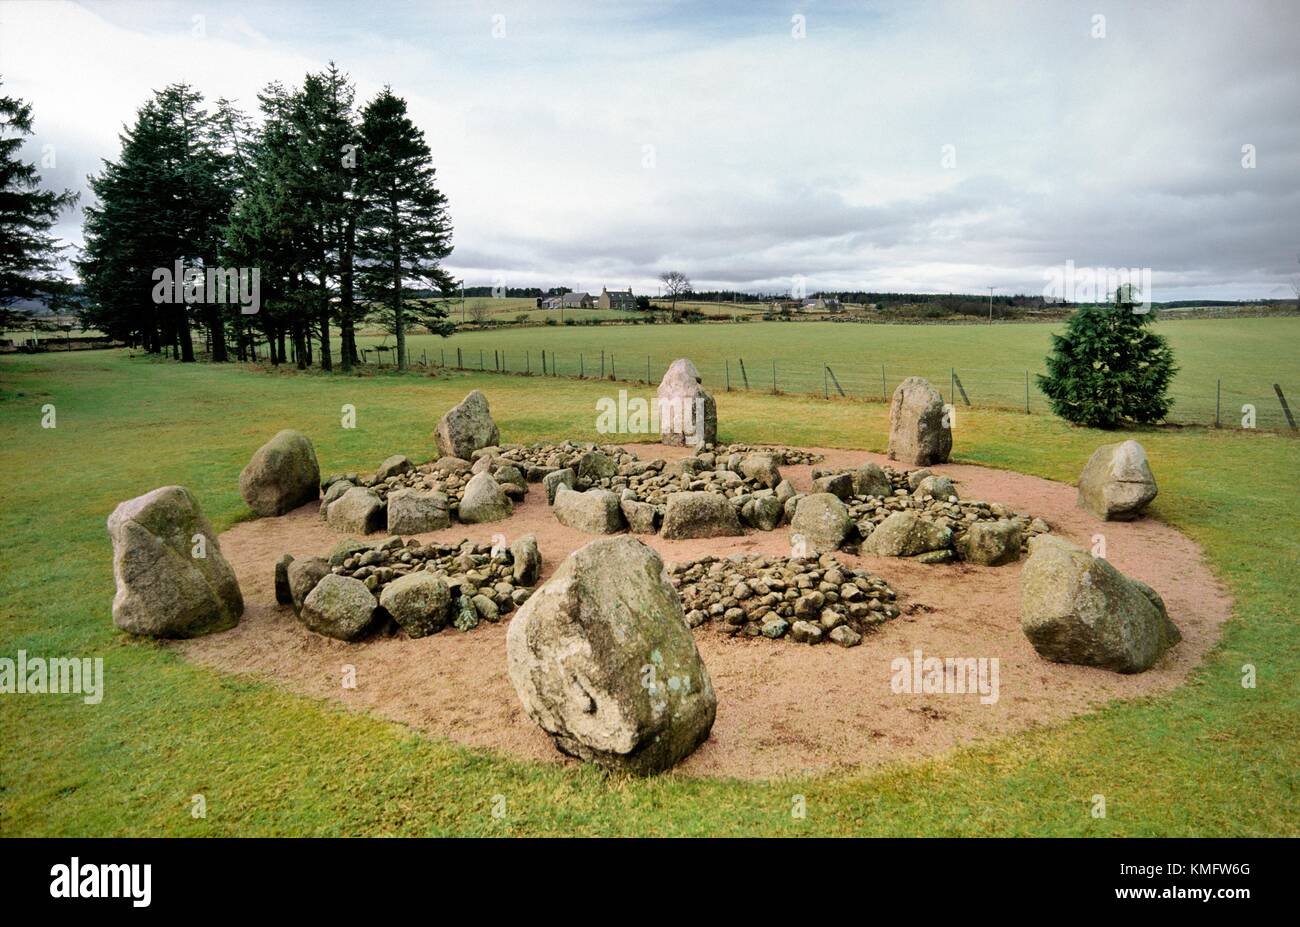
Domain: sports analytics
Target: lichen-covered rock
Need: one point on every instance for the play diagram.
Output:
(483, 501)
(357, 511)
(339, 607)
(688, 415)
(554, 480)
(334, 491)
(990, 543)
(527, 560)
(1077, 608)
(1117, 482)
(596, 511)
(805, 632)
(419, 602)
(411, 512)
(596, 466)
(172, 580)
(871, 480)
(640, 516)
(918, 434)
(603, 661)
(839, 485)
(282, 475)
(762, 469)
(699, 515)
(906, 534)
(467, 427)
(763, 513)
(394, 466)
(303, 575)
(820, 524)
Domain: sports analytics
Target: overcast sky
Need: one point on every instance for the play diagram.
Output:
(754, 144)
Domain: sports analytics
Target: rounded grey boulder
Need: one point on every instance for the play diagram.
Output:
(419, 602)
(1117, 483)
(357, 511)
(339, 607)
(282, 475)
(596, 511)
(906, 534)
(483, 500)
(822, 521)
(603, 661)
(172, 580)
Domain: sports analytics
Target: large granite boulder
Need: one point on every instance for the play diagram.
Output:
(419, 602)
(1117, 482)
(483, 501)
(172, 580)
(412, 512)
(699, 515)
(603, 661)
(1077, 608)
(990, 543)
(357, 511)
(871, 480)
(467, 427)
(906, 534)
(917, 433)
(762, 469)
(822, 521)
(688, 416)
(282, 475)
(595, 511)
(340, 607)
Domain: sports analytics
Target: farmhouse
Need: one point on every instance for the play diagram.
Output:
(829, 303)
(619, 299)
(569, 301)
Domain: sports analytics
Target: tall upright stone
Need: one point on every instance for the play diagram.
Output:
(602, 659)
(281, 475)
(172, 580)
(918, 434)
(688, 416)
(467, 427)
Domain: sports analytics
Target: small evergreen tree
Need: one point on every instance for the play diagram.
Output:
(1109, 369)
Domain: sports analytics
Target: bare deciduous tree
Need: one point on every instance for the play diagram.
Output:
(675, 284)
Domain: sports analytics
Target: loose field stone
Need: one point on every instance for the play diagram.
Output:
(283, 595)
(394, 466)
(527, 560)
(991, 543)
(282, 475)
(603, 661)
(303, 575)
(163, 588)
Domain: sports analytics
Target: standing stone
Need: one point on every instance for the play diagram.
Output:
(595, 511)
(339, 607)
(357, 511)
(527, 560)
(554, 480)
(172, 580)
(822, 521)
(917, 433)
(699, 515)
(283, 595)
(467, 427)
(688, 416)
(419, 602)
(1077, 608)
(282, 475)
(603, 661)
(1117, 482)
(483, 501)
(411, 512)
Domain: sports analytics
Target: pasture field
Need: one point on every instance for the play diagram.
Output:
(1247, 355)
(1210, 758)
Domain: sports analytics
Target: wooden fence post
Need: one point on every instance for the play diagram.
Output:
(1286, 409)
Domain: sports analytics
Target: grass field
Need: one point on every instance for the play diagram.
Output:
(1247, 355)
(1212, 758)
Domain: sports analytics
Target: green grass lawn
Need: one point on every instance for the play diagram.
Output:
(1211, 758)
(1247, 355)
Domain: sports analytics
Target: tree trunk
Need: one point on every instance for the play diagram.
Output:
(183, 334)
(300, 345)
(325, 359)
(347, 298)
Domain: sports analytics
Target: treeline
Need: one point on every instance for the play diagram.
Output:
(318, 214)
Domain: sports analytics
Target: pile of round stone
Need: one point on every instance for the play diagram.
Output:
(480, 578)
(653, 480)
(950, 512)
(784, 456)
(806, 600)
(537, 460)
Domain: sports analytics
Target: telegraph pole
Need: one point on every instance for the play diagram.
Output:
(990, 305)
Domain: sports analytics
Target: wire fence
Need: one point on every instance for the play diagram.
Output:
(1238, 401)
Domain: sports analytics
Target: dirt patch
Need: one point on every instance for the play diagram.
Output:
(783, 708)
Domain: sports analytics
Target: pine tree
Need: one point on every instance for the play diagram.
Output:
(1109, 369)
(405, 231)
(29, 254)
